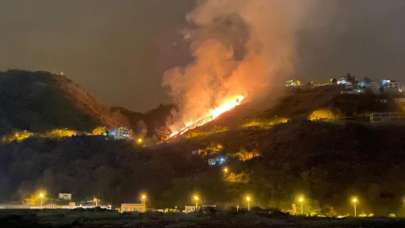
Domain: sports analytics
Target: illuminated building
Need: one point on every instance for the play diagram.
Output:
(219, 160)
(132, 207)
(65, 196)
(119, 133)
(293, 83)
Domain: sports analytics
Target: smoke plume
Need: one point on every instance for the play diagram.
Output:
(239, 47)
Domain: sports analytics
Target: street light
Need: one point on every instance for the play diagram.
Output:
(355, 201)
(95, 200)
(248, 199)
(139, 141)
(143, 198)
(41, 198)
(301, 201)
(196, 199)
(225, 170)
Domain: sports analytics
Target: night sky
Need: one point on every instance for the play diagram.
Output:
(118, 50)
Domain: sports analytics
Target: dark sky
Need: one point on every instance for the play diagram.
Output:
(118, 50)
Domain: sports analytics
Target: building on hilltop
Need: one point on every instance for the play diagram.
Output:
(120, 133)
(217, 161)
(293, 84)
(391, 86)
(381, 117)
(65, 196)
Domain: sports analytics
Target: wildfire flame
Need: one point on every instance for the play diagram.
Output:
(227, 105)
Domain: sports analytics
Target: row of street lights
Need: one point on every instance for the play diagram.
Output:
(197, 199)
(354, 200)
(301, 199)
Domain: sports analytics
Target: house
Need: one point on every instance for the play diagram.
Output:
(380, 117)
(133, 207)
(293, 83)
(391, 86)
(120, 133)
(343, 82)
(219, 160)
(194, 208)
(65, 196)
(189, 209)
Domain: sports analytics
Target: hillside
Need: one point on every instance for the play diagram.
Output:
(316, 142)
(39, 101)
(326, 162)
(42, 101)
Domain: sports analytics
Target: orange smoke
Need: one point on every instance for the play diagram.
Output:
(240, 49)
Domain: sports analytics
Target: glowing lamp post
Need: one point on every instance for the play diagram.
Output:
(41, 198)
(301, 201)
(196, 200)
(248, 199)
(143, 198)
(95, 200)
(139, 141)
(225, 170)
(355, 202)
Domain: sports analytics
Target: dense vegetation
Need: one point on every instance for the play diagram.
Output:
(33, 101)
(209, 219)
(327, 162)
(274, 153)
(42, 101)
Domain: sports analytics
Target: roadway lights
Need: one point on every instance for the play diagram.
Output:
(196, 199)
(96, 201)
(248, 199)
(41, 197)
(143, 198)
(355, 201)
(139, 141)
(225, 170)
(301, 201)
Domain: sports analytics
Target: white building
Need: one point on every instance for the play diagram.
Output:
(133, 207)
(380, 117)
(391, 86)
(120, 133)
(189, 209)
(65, 196)
(293, 83)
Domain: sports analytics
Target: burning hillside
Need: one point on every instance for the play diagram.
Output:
(238, 50)
(226, 105)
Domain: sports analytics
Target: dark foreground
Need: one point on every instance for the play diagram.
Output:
(90, 219)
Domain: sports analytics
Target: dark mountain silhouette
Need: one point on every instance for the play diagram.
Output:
(41, 101)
